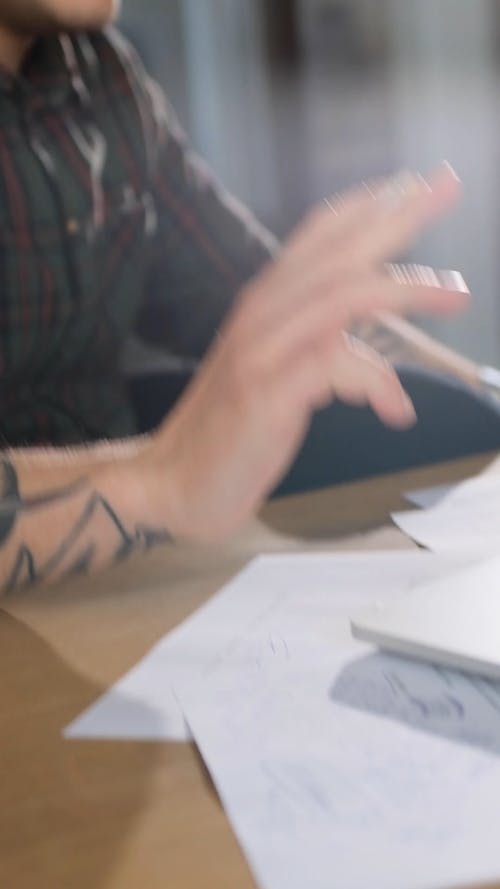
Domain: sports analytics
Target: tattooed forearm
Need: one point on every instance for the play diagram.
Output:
(12, 505)
(79, 547)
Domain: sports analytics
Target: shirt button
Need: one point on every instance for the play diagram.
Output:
(72, 226)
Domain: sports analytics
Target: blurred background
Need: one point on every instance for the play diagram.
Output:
(291, 100)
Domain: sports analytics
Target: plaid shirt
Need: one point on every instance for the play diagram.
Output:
(108, 226)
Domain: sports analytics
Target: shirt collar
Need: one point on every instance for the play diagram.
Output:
(51, 71)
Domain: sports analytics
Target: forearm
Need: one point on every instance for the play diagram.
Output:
(64, 513)
(401, 342)
(235, 431)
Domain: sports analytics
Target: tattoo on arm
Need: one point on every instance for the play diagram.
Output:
(76, 552)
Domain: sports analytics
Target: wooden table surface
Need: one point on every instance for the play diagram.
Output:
(106, 815)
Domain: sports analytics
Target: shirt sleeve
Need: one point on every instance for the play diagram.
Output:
(207, 245)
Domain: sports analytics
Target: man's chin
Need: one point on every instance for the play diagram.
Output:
(92, 20)
(41, 19)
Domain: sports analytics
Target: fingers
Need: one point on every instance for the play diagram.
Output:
(401, 205)
(350, 371)
(326, 312)
(360, 376)
(445, 187)
(289, 323)
(365, 229)
(415, 289)
(333, 221)
(422, 205)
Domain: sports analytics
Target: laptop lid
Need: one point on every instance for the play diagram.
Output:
(453, 621)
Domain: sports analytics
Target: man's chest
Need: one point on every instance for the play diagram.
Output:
(76, 223)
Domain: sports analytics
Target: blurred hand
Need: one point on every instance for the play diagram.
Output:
(285, 351)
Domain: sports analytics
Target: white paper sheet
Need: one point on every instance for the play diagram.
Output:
(142, 704)
(340, 767)
(468, 518)
(427, 497)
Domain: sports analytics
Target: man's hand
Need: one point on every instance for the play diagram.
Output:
(285, 352)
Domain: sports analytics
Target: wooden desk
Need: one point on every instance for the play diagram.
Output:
(87, 815)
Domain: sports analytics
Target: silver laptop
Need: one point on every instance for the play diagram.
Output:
(454, 621)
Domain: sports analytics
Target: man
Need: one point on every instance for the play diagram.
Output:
(109, 227)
